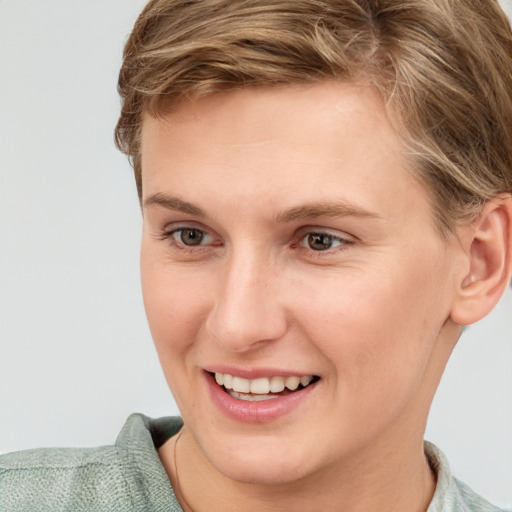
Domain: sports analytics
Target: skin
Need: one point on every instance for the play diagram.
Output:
(371, 315)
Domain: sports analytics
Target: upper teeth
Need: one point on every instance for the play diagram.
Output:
(262, 385)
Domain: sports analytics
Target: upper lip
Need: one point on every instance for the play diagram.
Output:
(256, 372)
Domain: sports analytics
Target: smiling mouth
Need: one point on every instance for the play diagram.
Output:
(263, 388)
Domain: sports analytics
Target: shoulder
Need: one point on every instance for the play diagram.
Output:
(127, 476)
(473, 501)
(61, 479)
(452, 495)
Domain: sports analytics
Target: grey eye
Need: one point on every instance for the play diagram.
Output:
(189, 236)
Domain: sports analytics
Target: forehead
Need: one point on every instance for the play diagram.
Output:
(314, 105)
(289, 143)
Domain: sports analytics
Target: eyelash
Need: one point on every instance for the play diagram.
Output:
(304, 238)
(169, 235)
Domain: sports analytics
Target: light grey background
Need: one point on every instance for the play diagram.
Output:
(76, 357)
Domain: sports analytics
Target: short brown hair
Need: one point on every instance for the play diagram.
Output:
(444, 68)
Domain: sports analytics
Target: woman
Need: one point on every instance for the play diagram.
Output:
(325, 189)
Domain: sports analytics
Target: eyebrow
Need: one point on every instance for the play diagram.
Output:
(304, 212)
(327, 209)
(174, 203)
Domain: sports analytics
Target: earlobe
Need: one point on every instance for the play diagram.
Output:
(489, 254)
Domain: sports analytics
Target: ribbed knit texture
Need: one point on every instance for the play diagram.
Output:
(125, 477)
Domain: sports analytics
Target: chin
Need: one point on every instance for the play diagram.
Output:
(259, 461)
(272, 471)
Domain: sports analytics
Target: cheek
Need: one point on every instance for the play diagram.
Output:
(175, 310)
(377, 329)
(174, 303)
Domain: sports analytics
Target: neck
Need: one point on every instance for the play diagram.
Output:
(384, 478)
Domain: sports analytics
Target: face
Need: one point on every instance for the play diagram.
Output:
(285, 240)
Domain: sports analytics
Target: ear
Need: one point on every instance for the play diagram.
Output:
(488, 249)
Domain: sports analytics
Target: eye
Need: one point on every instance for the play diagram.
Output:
(190, 236)
(323, 241)
(189, 241)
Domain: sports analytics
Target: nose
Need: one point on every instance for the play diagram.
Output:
(246, 312)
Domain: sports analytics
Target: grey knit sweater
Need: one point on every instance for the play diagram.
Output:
(128, 476)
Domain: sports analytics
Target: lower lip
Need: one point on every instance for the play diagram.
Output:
(262, 411)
